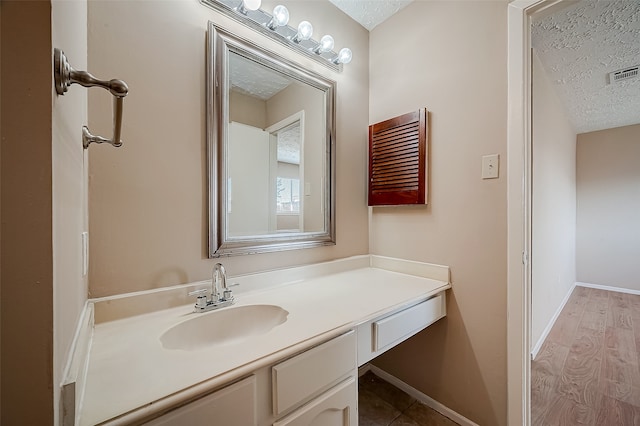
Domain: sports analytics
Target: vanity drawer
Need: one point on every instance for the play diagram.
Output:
(399, 326)
(380, 334)
(299, 379)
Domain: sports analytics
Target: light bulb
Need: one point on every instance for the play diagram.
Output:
(325, 45)
(251, 4)
(305, 31)
(344, 56)
(280, 17)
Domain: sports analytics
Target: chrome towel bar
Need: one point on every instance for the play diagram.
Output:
(65, 76)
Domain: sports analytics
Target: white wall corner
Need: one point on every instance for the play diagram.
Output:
(536, 348)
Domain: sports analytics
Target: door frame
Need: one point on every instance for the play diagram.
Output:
(519, 204)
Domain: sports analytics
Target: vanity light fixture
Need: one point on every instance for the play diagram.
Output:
(246, 5)
(275, 26)
(305, 31)
(325, 45)
(344, 56)
(280, 17)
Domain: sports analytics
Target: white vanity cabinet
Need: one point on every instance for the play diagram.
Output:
(233, 405)
(302, 371)
(316, 387)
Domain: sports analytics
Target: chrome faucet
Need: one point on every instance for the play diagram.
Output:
(219, 275)
(220, 294)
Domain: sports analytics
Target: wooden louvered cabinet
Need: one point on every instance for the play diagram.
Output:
(398, 160)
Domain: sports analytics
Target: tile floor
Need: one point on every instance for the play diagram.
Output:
(382, 404)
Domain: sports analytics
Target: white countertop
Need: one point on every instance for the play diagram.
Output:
(129, 369)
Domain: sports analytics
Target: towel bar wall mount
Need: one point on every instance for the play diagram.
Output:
(65, 76)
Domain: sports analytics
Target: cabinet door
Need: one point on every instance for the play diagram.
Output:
(234, 405)
(336, 407)
(301, 378)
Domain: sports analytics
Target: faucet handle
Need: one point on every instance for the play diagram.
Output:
(228, 294)
(201, 300)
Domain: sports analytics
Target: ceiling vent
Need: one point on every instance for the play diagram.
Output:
(624, 74)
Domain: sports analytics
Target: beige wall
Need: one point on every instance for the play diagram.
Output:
(454, 64)
(0, 219)
(608, 182)
(147, 199)
(247, 110)
(27, 258)
(553, 257)
(43, 206)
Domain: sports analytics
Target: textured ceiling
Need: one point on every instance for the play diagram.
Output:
(253, 79)
(579, 46)
(289, 144)
(258, 81)
(370, 13)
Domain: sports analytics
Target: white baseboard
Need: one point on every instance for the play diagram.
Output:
(552, 321)
(425, 399)
(362, 370)
(609, 288)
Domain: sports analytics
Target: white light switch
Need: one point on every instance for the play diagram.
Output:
(490, 166)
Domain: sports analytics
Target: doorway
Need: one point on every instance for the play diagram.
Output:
(523, 332)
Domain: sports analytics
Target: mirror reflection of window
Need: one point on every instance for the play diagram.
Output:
(288, 200)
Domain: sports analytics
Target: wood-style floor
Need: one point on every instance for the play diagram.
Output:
(588, 371)
(382, 404)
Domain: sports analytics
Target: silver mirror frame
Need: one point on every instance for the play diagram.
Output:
(220, 43)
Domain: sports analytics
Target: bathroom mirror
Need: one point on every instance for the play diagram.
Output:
(271, 154)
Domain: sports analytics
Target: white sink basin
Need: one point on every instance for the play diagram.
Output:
(223, 327)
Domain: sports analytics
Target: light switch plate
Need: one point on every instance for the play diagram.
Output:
(490, 166)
